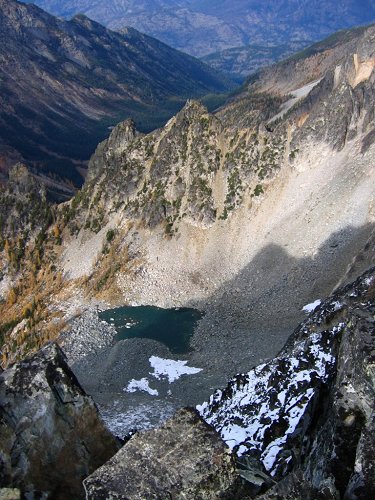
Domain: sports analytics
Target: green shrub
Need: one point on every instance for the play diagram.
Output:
(110, 235)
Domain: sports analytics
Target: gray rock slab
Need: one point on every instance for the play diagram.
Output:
(183, 459)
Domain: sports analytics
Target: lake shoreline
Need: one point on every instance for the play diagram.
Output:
(105, 367)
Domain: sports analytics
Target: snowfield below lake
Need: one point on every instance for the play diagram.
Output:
(164, 369)
(171, 369)
(141, 385)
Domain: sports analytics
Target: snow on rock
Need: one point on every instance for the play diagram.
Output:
(369, 281)
(308, 308)
(338, 306)
(265, 412)
(141, 385)
(170, 369)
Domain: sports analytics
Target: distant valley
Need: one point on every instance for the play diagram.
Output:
(63, 84)
(240, 62)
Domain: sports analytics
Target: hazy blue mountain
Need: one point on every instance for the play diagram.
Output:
(240, 62)
(202, 27)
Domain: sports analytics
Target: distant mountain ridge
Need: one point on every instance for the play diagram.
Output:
(203, 27)
(64, 83)
(240, 62)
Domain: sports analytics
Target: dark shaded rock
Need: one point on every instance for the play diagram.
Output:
(254, 475)
(50, 434)
(183, 459)
(295, 487)
(344, 440)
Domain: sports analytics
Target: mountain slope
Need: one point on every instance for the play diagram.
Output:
(240, 62)
(64, 83)
(200, 28)
(230, 213)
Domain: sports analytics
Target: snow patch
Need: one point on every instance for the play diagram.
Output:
(350, 389)
(308, 308)
(121, 418)
(297, 95)
(170, 369)
(141, 385)
(337, 306)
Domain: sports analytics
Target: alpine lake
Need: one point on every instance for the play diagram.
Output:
(173, 327)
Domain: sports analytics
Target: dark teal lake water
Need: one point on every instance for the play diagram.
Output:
(172, 327)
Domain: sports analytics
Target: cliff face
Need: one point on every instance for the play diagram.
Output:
(172, 175)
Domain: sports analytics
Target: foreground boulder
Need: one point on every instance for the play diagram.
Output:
(185, 459)
(50, 434)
